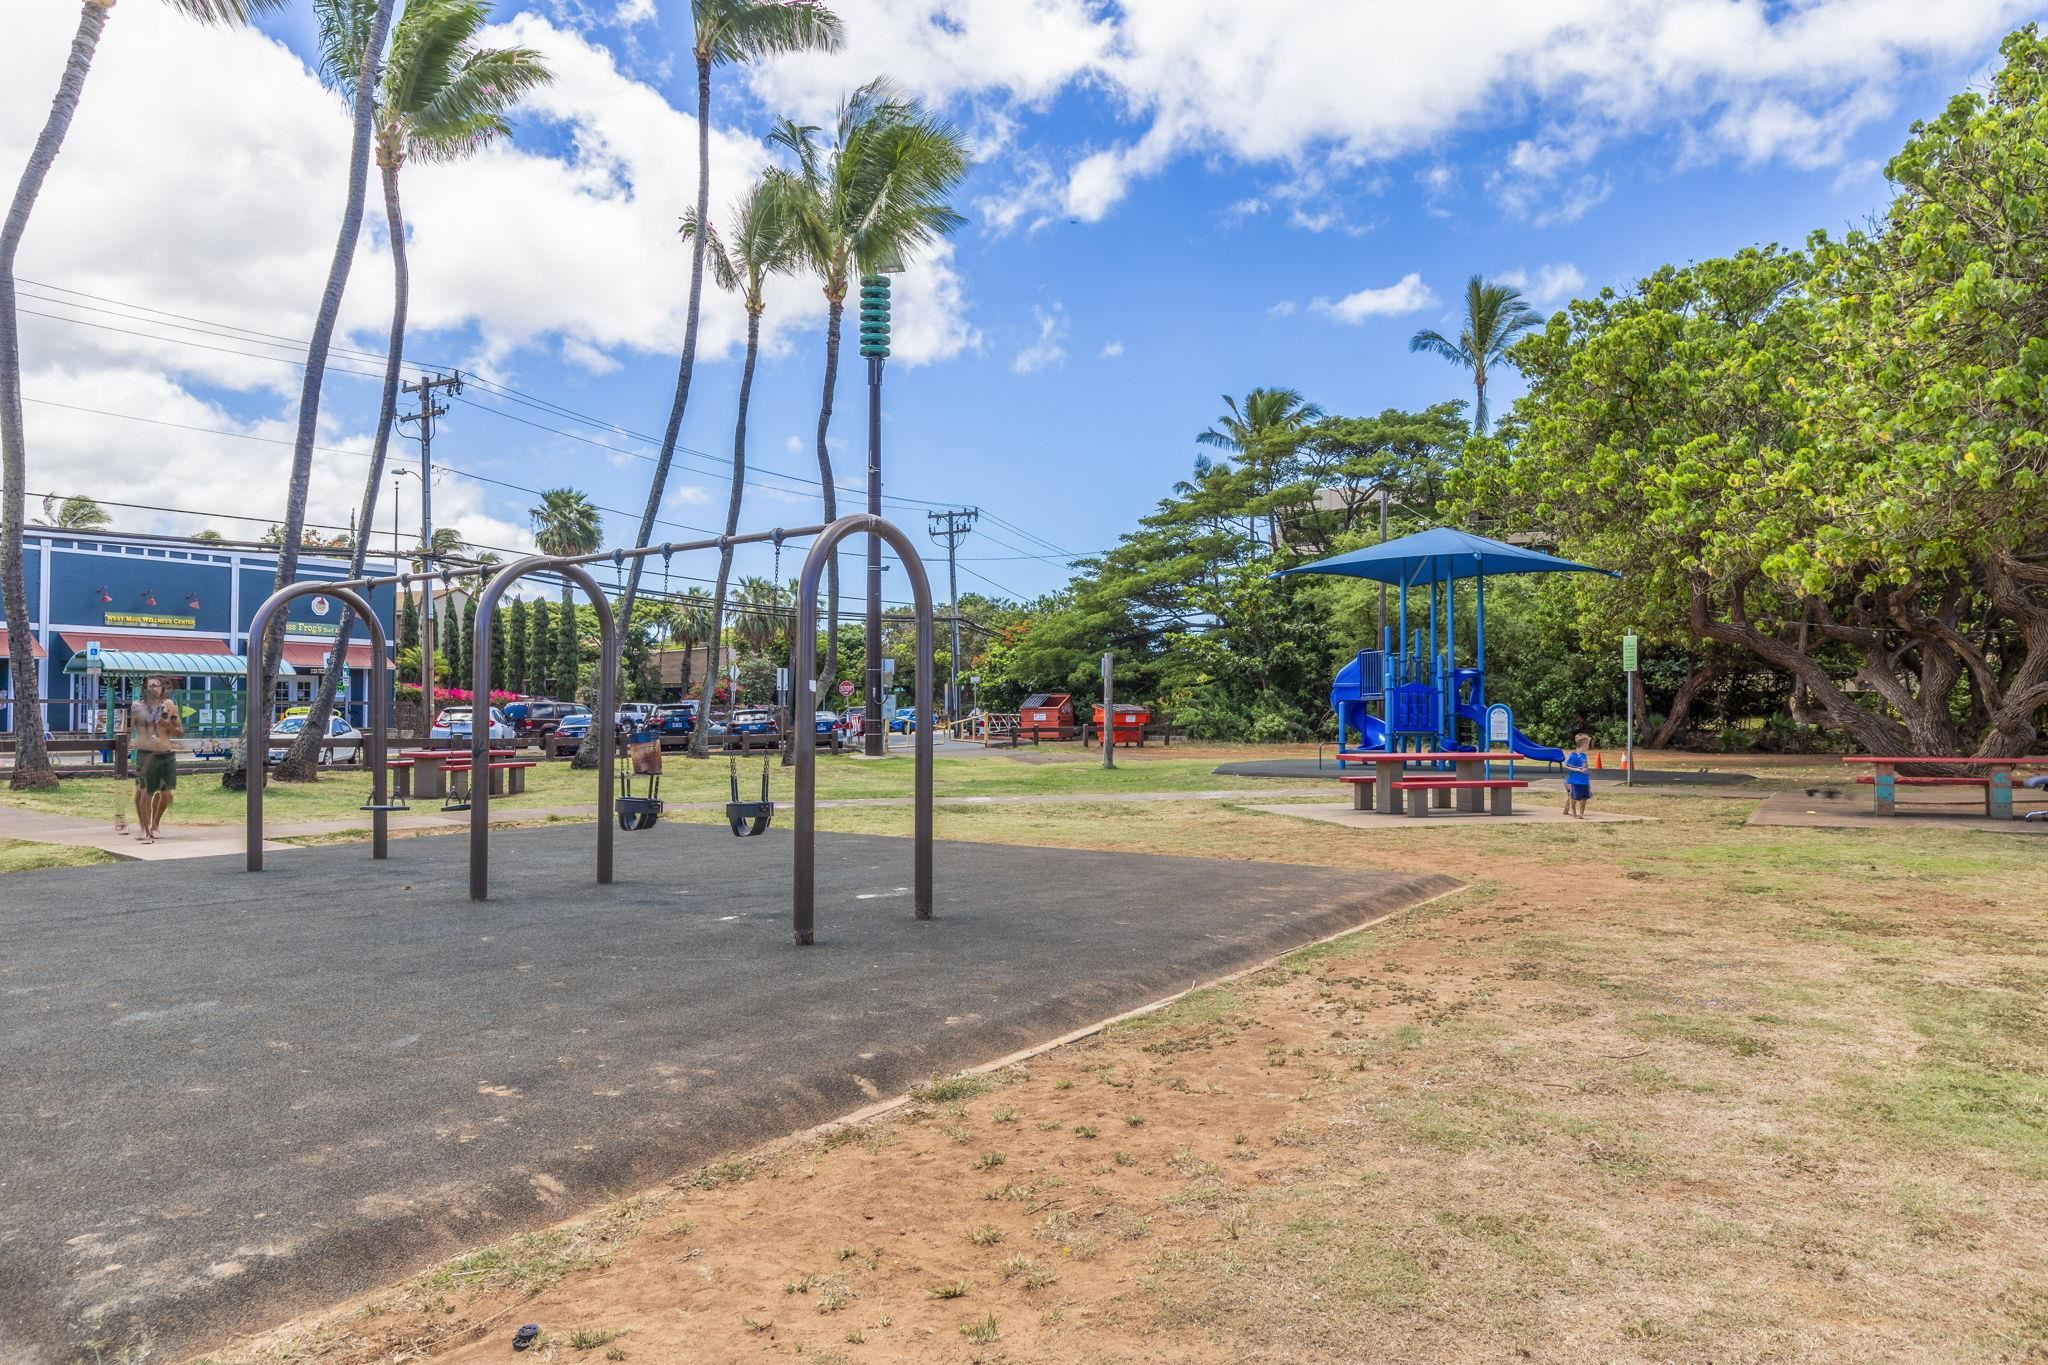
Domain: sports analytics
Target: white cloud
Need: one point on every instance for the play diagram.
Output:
(1406, 295)
(1112, 350)
(1550, 286)
(1049, 349)
(1308, 82)
(170, 196)
(1283, 309)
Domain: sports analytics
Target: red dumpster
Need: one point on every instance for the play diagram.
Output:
(1130, 723)
(1048, 715)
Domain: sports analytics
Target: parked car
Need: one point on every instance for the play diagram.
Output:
(826, 722)
(537, 719)
(635, 715)
(575, 725)
(455, 723)
(904, 721)
(288, 730)
(679, 719)
(717, 724)
(758, 720)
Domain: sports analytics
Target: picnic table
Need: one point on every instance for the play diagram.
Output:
(1889, 773)
(429, 775)
(1467, 765)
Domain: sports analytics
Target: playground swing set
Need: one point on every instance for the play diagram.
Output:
(641, 808)
(1409, 695)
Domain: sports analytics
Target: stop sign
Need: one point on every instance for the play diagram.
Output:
(846, 687)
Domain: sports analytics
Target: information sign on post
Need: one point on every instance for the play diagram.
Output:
(1628, 680)
(1500, 725)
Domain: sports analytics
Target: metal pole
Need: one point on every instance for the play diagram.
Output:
(803, 667)
(479, 722)
(1628, 764)
(1383, 586)
(256, 721)
(1108, 711)
(876, 733)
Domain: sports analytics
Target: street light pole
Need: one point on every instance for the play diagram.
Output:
(874, 344)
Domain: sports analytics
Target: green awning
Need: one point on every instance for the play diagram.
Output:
(133, 661)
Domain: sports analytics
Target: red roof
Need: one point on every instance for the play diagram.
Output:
(148, 644)
(300, 654)
(35, 646)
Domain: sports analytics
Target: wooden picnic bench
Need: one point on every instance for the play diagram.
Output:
(1889, 773)
(504, 777)
(1423, 792)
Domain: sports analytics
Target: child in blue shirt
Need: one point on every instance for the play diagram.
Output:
(1578, 777)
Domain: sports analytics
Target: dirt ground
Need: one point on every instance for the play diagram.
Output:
(1675, 1090)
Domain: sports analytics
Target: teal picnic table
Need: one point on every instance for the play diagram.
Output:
(1888, 774)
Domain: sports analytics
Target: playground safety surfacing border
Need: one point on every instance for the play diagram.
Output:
(233, 1097)
(1543, 809)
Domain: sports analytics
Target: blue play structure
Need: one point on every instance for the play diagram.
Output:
(1409, 695)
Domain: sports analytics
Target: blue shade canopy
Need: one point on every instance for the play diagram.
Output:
(1440, 555)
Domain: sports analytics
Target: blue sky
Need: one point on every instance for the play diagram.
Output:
(1175, 202)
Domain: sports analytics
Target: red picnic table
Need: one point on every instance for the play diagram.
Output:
(1387, 769)
(429, 779)
(1886, 778)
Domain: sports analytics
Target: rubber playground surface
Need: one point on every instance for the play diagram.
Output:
(232, 1097)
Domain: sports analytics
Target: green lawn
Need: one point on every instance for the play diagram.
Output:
(18, 855)
(201, 799)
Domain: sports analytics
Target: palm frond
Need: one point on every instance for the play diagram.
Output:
(342, 29)
(723, 272)
(230, 11)
(745, 30)
(1436, 343)
(468, 111)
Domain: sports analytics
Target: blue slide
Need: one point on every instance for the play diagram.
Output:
(1372, 732)
(1519, 742)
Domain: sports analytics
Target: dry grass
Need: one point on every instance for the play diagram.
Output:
(1680, 1090)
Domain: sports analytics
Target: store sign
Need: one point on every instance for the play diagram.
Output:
(320, 606)
(325, 632)
(138, 618)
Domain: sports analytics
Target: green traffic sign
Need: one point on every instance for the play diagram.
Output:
(1628, 653)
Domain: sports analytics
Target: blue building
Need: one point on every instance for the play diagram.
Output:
(188, 603)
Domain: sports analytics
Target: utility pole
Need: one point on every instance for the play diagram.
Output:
(428, 411)
(949, 529)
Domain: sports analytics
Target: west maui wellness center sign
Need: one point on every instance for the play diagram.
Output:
(140, 618)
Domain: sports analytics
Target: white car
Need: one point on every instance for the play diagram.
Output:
(455, 722)
(287, 731)
(635, 715)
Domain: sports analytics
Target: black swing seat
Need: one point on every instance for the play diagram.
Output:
(637, 812)
(749, 817)
(387, 806)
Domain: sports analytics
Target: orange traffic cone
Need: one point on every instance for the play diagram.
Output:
(1596, 760)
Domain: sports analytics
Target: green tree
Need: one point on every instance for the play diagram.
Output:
(408, 621)
(516, 638)
(569, 662)
(1830, 461)
(869, 200)
(763, 245)
(540, 650)
(32, 770)
(1264, 434)
(1495, 316)
(565, 523)
(727, 33)
(689, 625)
(442, 98)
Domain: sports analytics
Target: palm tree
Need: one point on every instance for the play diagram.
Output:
(447, 544)
(758, 619)
(1495, 315)
(689, 625)
(369, 39)
(565, 523)
(442, 99)
(763, 244)
(1263, 433)
(32, 770)
(871, 198)
(728, 32)
(75, 513)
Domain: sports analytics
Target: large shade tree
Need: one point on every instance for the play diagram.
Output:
(727, 33)
(1834, 461)
(872, 197)
(443, 98)
(761, 245)
(31, 760)
(1496, 316)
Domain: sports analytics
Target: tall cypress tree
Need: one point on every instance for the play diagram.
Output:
(458, 649)
(408, 622)
(501, 667)
(540, 647)
(514, 657)
(569, 654)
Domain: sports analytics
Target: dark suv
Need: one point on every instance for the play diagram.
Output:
(536, 719)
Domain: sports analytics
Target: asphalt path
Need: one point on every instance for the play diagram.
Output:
(228, 1097)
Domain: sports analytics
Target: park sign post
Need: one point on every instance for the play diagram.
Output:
(1629, 658)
